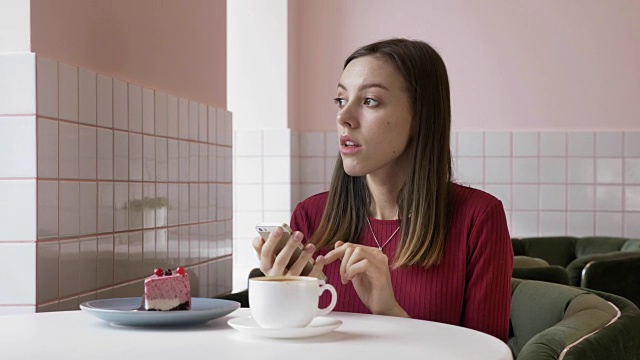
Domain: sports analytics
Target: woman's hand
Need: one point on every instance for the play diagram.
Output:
(272, 264)
(368, 270)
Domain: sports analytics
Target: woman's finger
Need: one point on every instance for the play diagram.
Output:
(257, 244)
(305, 256)
(357, 268)
(317, 267)
(267, 255)
(284, 256)
(348, 253)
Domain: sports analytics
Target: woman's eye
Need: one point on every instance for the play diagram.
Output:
(340, 102)
(370, 102)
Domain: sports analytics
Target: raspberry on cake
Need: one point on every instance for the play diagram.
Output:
(167, 291)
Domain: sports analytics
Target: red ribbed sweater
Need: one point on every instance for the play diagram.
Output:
(471, 287)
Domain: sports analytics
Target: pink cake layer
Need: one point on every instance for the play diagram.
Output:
(167, 289)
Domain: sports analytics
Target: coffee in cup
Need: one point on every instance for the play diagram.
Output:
(278, 302)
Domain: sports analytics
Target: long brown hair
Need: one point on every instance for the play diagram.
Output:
(424, 204)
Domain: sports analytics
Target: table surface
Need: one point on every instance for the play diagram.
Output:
(78, 335)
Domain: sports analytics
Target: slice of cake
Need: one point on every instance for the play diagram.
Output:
(167, 291)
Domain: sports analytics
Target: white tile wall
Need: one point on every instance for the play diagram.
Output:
(18, 147)
(18, 68)
(550, 183)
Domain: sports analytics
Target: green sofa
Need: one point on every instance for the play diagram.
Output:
(553, 321)
(607, 264)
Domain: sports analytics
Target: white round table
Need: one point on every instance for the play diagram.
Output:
(77, 335)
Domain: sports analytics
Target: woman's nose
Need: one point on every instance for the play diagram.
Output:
(347, 117)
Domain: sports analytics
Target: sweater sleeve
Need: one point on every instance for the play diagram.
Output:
(489, 267)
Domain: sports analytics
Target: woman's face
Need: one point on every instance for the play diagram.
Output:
(374, 117)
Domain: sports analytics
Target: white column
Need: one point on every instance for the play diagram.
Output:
(17, 160)
(257, 94)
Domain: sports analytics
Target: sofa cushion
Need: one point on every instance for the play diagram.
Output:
(575, 268)
(521, 261)
(598, 245)
(559, 250)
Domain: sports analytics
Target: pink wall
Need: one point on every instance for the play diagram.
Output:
(175, 46)
(512, 64)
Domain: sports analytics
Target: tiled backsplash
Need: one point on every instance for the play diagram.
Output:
(550, 183)
(124, 179)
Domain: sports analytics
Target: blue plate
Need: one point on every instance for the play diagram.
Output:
(124, 311)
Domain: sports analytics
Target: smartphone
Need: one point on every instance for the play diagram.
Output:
(264, 229)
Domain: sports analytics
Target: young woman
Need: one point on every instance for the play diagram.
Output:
(394, 234)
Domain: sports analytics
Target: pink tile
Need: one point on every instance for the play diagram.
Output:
(172, 116)
(88, 207)
(69, 208)
(149, 261)
(203, 202)
(71, 304)
(88, 152)
(173, 246)
(609, 171)
(135, 157)
(221, 116)
(150, 205)
(194, 119)
(135, 108)
(68, 92)
(524, 143)
(183, 118)
(609, 224)
(88, 264)
(47, 209)
(194, 162)
(105, 207)
(68, 147)
(194, 205)
(161, 209)
(553, 223)
(173, 197)
(47, 87)
(162, 247)
(121, 211)
(47, 268)
(213, 208)
(213, 165)
(211, 124)
(105, 261)
(202, 123)
(162, 160)
(135, 255)
(185, 250)
(203, 156)
(69, 267)
(120, 258)
(105, 154)
(47, 148)
(160, 111)
(104, 101)
(183, 153)
(120, 105)
(120, 155)
(135, 206)
(88, 97)
(173, 160)
(632, 171)
(48, 307)
(203, 230)
(148, 111)
(149, 158)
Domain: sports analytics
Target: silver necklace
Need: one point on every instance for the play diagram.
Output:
(376, 239)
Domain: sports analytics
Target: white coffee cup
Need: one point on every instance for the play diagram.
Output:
(279, 302)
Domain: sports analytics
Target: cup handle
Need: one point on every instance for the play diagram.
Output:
(334, 299)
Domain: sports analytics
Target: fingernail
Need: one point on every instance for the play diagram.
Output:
(297, 236)
(277, 232)
(346, 276)
(309, 248)
(320, 259)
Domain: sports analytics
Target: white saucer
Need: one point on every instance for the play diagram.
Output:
(319, 326)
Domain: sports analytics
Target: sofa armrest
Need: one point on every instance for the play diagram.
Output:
(576, 267)
(553, 274)
(619, 276)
